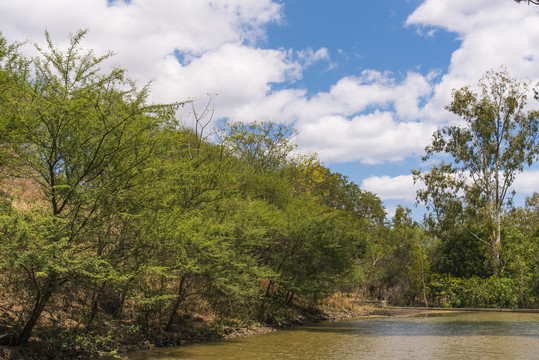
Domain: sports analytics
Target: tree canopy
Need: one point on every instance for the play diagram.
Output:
(497, 138)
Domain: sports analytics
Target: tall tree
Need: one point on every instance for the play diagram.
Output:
(496, 138)
(78, 135)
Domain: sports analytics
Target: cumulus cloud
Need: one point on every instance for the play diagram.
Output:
(527, 182)
(373, 88)
(341, 125)
(190, 48)
(463, 17)
(145, 34)
(402, 187)
(238, 73)
(367, 138)
(310, 56)
(189, 25)
(492, 33)
(399, 188)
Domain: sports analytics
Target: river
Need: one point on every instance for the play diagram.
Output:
(446, 335)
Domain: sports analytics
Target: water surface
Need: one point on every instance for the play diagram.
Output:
(455, 335)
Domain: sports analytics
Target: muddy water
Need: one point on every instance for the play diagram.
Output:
(459, 335)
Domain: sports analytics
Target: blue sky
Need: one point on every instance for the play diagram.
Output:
(364, 82)
(359, 35)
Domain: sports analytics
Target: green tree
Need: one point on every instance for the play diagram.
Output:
(496, 138)
(13, 75)
(263, 145)
(188, 182)
(521, 249)
(419, 268)
(79, 136)
(308, 235)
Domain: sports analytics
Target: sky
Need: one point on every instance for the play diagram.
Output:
(365, 83)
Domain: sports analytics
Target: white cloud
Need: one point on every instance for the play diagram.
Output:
(373, 116)
(239, 74)
(527, 182)
(339, 126)
(400, 188)
(192, 25)
(310, 56)
(465, 17)
(368, 138)
(279, 106)
(145, 33)
(492, 33)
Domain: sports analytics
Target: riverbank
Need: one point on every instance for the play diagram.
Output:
(324, 313)
(310, 316)
(231, 332)
(116, 342)
(111, 338)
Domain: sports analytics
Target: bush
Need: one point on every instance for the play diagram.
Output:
(475, 292)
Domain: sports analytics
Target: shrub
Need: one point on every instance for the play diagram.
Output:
(494, 292)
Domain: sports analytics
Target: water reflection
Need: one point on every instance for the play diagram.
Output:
(444, 336)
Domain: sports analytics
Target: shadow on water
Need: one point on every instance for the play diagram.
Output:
(458, 328)
(445, 324)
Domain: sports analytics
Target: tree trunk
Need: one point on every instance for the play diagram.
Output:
(41, 301)
(175, 307)
(262, 308)
(95, 304)
(120, 309)
(496, 245)
(290, 299)
(423, 283)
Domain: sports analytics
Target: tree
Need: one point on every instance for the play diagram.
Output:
(79, 136)
(13, 73)
(263, 145)
(521, 250)
(496, 138)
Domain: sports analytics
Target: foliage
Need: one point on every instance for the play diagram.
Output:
(521, 250)
(78, 136)
(262, 145)
(474, 292)
(496, 140)
(529, 1)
